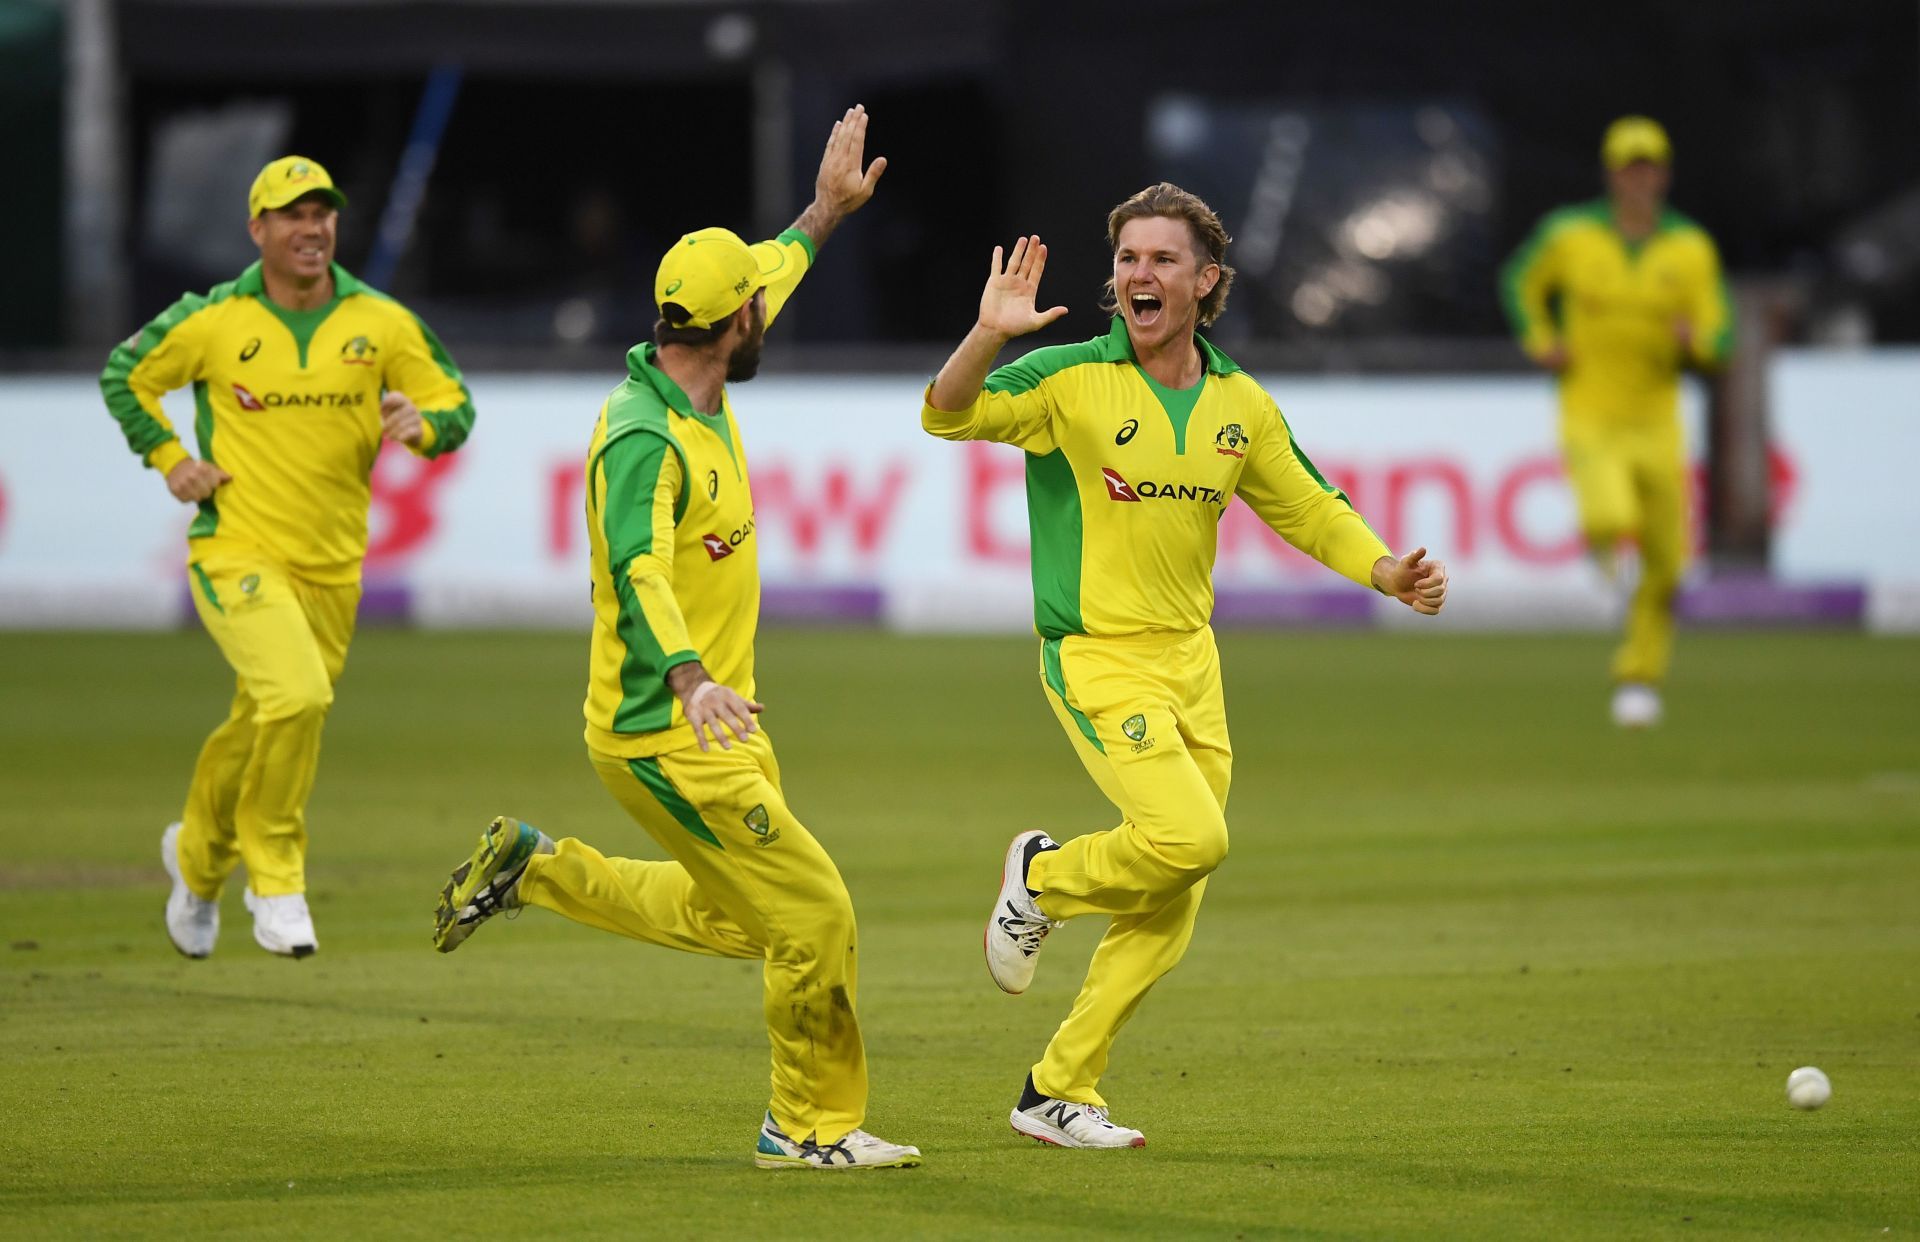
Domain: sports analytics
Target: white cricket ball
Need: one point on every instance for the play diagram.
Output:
(1807, 1087)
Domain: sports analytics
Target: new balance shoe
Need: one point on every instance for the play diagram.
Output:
(486, 883)
(855, 1149)
(1066, 1124)
(1016, 928)
(193, 923)
(282, 924)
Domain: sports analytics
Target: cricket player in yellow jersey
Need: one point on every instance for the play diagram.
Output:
(670, 706)
(1136, 441)
(1616, 297)
(299, 373)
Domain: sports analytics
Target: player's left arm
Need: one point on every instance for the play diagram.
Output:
(427, 406)
(1706, 329)
(842, 186)
(1281, 485)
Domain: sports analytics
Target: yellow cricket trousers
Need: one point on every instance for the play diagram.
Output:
(286, 640)
(747, 880)
(1630, 482)
(1147, 718)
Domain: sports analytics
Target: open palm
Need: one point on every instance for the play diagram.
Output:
(1007, 303)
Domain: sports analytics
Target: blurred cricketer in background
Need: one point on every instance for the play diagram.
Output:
(1136, 442)
(299, 372)
(1616, 296)
(676, 596)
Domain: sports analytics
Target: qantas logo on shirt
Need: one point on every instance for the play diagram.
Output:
(722, 546)
(1119, 489)
(275, 400)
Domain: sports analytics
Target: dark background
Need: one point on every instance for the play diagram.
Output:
(585, 137)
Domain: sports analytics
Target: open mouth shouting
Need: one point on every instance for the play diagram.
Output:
(1146, 308)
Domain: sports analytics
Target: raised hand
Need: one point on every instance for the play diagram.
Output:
(1013, 282)
(1414, 580)
(842, 186)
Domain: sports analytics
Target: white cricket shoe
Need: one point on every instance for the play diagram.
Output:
(1066, 1124)
(855, 1149)
(1016, 928)
(193, 923)
(1636, 705)
(282, 925)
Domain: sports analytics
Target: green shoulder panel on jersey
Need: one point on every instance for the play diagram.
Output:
(451, 424)
(1590, 213)
(145, 433)
(1026, 373)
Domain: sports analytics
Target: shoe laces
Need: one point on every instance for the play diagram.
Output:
(1026, 931)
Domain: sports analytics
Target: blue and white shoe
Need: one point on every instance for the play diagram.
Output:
(855, 1149)
(1066, 1124)
(486, 883)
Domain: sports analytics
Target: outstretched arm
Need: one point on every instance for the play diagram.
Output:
(841, 187)
(1006, 311)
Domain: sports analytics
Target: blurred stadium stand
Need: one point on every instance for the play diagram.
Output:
(1377, 161)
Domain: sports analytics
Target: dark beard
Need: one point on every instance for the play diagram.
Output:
(744, 364)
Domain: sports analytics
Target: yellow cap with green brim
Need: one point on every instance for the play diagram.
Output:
(288, 178)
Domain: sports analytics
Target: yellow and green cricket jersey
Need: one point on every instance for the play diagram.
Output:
(676, 568)
(1127, 481)
(288, 403)
(1617, 303)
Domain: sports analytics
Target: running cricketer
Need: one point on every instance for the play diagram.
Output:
(1639, 296)
(670, 707)
(1135, 441)
(299, 373)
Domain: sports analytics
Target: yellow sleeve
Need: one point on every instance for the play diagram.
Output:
(162, 356)
(784, 261)
(1709, 311)
(1527, 281)
(1282, 486)
(1017, 406)
(640, 480)
(419, 367)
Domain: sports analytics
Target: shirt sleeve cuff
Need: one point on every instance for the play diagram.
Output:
(166, 456)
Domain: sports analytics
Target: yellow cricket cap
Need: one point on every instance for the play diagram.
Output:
(288, 178)
(707, 276)
(1635, 138)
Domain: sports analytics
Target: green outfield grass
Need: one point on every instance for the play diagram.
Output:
(1478, 966)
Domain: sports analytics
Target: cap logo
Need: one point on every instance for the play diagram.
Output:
(674, 287)
(745, 283)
